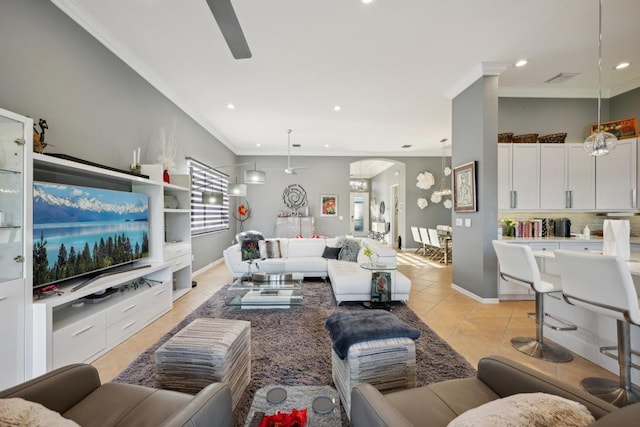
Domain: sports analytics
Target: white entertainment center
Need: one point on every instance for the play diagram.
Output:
(71, 326)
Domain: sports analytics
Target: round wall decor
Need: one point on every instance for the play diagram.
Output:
(294, 196)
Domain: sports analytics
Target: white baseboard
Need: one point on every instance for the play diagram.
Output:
(208, 266)
(474, 296)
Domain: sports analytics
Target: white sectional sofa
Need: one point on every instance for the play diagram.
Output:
(349, 281)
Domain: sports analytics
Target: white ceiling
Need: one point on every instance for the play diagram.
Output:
(391, 65)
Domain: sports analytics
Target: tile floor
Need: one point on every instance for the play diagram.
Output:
(473, 329)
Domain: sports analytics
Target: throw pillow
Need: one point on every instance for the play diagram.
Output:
(526, 409)
(349, 249)
(249, 250)
(331, 253)
(23, 413)
(272, 249)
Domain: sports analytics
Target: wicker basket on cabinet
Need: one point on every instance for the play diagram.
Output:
(554, 138)
(505, 138)
(528, 138)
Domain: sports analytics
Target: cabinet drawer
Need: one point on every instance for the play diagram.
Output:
(582, 246)
(181, 262)
(125, 328)
(158, 300)
(125, 309)
(174, 250)
(79, 341)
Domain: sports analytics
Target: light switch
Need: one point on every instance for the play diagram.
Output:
(459, 222)
(467, 222)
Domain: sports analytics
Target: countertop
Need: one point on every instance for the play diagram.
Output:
(556, 239)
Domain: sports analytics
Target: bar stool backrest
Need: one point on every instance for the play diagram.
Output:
(518, 265)
(599, 283)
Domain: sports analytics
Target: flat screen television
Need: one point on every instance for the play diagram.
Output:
(81, 231)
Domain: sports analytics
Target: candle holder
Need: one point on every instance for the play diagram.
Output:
(135, 168)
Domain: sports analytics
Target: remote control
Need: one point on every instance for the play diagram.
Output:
(257, 417)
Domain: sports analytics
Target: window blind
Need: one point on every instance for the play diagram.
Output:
(207, 218)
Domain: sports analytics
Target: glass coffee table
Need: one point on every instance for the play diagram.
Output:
(266, 290)
(299, 397)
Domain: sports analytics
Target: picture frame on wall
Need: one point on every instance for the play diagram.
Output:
(622, 129)
(464, 187)
(328, 205)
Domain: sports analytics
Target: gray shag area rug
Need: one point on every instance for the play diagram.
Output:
(292, 347)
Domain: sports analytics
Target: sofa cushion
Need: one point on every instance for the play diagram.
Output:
(306, 247)
(23, 413)
(249, 250)
(527, 409)
(331, 253)
(306, 265)
(349, 249)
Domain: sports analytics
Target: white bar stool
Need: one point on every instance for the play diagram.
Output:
(518, 265)
(603, 284)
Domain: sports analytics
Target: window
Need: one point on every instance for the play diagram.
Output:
(207, 218)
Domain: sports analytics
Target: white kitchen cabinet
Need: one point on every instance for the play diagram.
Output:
(518, 176)
(567, 177)
(616, 187)
(581, 178)
(16, 143)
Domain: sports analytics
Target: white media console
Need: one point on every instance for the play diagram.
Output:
(80, 325)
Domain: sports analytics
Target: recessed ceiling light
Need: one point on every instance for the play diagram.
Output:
(337, 108)
(231, 106)
(622, 65)
(521, 63)
(367, 1)
(258, 145)
(326, 145)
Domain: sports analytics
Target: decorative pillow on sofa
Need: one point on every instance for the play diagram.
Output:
(19, 412)
(331, 253)
(272, 249)
(349, 249)
(249, 250)
(526, 409)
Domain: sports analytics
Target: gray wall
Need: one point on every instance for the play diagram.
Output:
(475, 125)
(97, 107)
(626, 105)
(330, 175)
(550, 115)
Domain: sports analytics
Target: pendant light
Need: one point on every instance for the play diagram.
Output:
(443, 188)
(600, 142)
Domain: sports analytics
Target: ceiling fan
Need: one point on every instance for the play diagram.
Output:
(230, 28)
(289, 169)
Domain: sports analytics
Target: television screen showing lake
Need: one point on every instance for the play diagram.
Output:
(79, 230)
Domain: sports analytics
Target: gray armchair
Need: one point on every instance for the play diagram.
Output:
(75, 392)
(437, 404)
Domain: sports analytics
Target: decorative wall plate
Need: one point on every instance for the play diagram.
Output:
(294, 196)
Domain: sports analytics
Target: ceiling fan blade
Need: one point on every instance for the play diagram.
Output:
(230, 28)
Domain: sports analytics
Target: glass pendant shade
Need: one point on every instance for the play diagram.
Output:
(237, 190)
(255, 177)
(214, 198)
(600, 143)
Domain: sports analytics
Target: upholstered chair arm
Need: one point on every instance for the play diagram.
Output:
(210, 407)
(59, 389)
(506, 378)
(369, 408)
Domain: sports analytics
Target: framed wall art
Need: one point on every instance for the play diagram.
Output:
(622, 129)
(464, 187)
(329, 205)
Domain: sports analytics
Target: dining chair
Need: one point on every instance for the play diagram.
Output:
(517, 265)
(603, 284)
(416, 238)
(424, 235)
(435, 243)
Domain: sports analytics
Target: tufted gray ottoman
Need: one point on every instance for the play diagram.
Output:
(206, 351)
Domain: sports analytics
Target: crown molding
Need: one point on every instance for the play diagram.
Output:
(480, 70)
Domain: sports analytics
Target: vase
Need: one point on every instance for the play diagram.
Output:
(165, 176)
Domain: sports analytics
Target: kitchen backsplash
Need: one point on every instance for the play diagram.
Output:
(578, 220)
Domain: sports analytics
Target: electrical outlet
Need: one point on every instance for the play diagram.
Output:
(459, 222)
(467, 222)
